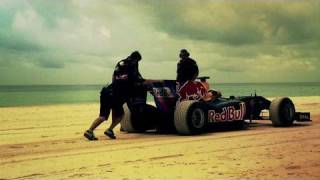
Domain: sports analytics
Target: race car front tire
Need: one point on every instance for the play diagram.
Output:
(282, 112)
(189, 118)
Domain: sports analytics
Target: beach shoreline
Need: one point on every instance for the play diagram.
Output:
(149, 102)
(46, 142)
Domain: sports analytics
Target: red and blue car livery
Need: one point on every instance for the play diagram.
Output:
(191, 108)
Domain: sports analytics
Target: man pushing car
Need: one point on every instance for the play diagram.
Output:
(126, 78)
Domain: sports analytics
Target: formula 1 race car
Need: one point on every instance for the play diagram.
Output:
(190, 108)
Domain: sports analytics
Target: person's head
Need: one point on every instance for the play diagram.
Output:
(135, 56)
(184, 53)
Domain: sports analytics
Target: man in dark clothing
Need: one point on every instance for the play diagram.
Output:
(187, 68)
(126, 78)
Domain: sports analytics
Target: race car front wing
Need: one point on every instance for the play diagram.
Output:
(302, 116)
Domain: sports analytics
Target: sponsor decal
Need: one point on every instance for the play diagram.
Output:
(191, 90)
(229, 113)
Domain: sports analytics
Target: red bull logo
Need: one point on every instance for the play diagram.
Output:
(228, 114)
(191, 90)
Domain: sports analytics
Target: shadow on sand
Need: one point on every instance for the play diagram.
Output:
(232, 126)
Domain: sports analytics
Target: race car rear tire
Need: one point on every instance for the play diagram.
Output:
(282, 112)
(139, 122)
(126, 121)
(189, 118)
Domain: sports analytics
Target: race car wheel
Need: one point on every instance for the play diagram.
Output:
(282, 112)
(197, 118)
(189, 118)
(139, 121)
(126, 121)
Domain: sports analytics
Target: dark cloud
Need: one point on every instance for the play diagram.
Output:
(295, 22)
(201, 20)
(11, 40)
(309, 50)
(52, 11)
(227, 65)
(17, 42)
(50, 63)
(229, 68)
(238, 23)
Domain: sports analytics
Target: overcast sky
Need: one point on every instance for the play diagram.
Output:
(80, 41)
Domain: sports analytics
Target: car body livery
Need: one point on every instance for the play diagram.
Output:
(187, 109)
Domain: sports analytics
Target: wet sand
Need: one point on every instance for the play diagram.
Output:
(46, 142)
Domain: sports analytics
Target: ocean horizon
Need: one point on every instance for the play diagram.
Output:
(27, 95)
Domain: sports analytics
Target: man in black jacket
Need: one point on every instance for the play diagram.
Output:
(187, 68)
(126, 78)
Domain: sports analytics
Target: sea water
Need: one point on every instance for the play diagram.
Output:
(68, 94)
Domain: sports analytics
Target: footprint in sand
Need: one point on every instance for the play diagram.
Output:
(108, 164)
(15, 147)
(80, 175)
(293, 167)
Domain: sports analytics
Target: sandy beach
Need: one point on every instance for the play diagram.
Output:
(46, 142)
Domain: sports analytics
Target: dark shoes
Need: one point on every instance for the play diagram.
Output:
(110, 134)
(90, 135)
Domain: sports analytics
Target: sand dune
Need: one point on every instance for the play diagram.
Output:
(45, 142)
